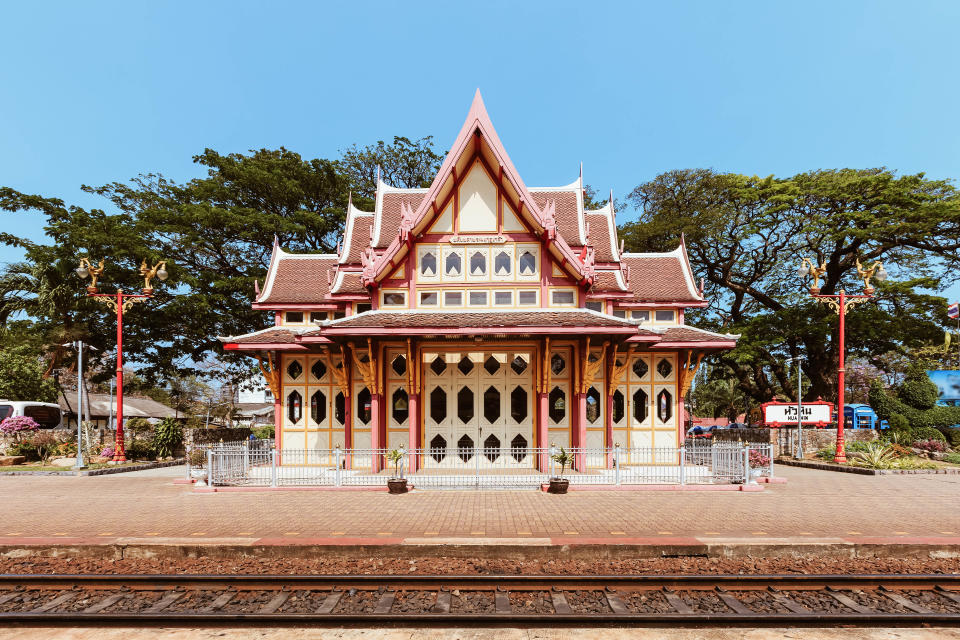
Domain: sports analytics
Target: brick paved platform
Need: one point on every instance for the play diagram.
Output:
(814, 507)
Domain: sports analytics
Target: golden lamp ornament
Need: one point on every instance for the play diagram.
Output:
(876, 271)
(158, 271)
(808, 268)
(86, 269)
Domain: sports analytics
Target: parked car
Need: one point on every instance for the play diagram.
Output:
(46, 414)
(700, 432)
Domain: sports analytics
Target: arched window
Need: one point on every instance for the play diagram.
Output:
(453, 264)
(401, 406)
(503, 264)
(428, 264)
(528, 263)
(364, 410)
(593, 405)
(478, 264)
(294, 407)
(640, 408)
(558, 404)
(318, 407)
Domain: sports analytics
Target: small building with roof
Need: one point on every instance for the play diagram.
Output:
(479, 316)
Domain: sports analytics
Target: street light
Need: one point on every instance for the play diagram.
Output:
(120, 302)
(840, 303)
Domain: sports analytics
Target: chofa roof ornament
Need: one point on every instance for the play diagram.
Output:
(368, 259)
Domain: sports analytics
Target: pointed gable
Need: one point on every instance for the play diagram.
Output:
(473, 172)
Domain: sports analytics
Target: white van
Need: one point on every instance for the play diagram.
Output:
(46, 414)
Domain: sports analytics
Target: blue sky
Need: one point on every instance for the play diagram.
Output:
(99, 92)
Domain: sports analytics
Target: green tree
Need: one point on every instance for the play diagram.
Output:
(403, 163)
(217, 233)
(22, 376)
(746, 235)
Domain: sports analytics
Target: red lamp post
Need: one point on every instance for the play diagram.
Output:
(840, 303)
(120, 302)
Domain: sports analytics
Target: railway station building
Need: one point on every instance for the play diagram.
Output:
(479, 316)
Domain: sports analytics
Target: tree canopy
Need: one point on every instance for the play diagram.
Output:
(217, 233)
(746, 235)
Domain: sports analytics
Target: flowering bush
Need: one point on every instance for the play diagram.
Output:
(107, 451)
(930, 445)
(758, 460)
(16, 426)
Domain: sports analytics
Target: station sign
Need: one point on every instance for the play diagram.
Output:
(784, 414)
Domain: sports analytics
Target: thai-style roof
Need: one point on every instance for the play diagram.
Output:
(661, 277)
(295, 278)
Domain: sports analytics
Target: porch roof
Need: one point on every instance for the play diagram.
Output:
(513, 321)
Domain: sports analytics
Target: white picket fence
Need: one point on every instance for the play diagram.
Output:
(258, 463)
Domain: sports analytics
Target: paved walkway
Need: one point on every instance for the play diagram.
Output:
(147, 506)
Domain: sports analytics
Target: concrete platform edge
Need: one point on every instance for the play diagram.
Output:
(540, 548)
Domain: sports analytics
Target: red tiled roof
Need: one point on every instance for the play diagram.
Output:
(390, 214)
(600, 238)
(350, 284)
(298, 279)
(273, 335)
(568, 222)
(606, 281)
(658, 278)
(486, 319)
(692, 334)
(359, 238)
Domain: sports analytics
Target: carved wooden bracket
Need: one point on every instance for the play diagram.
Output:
(270, 374)
(368, 370)
(589, 370)
(339, 374)
(618, 372)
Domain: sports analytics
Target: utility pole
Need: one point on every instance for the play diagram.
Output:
(798, 453)
(78, 345)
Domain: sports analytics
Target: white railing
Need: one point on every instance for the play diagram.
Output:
(258, 463)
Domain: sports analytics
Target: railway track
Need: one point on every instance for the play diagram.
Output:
(701, 599)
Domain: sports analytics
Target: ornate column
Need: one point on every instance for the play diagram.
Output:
(608, 390)
(413, 403)
(542, 388)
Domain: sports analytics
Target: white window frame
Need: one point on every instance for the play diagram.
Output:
(536, 293)
(435, 250)
(448, 250)
(303, 318)
(493, 300)
(510, 250)
(484, 292)
(533, 249)
(672, 320)
(556, 290)
(463, 299)
(420, 294)
(470, 253)
(401, 292)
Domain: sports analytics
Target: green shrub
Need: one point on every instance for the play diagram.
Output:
(140, 450)
(899, 422)
(952, 435)
(917, 390)
(25, 449)
(874, 456)
(952, 458)
(265, 432)
(167, 436)
(928, 433)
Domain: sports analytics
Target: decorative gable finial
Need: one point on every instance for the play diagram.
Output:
(589, 269)
(339, 245)
(368, 259)
(550, 219)
(406, 221)
(256, 287)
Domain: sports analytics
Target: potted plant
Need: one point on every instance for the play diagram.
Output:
(197, 459)
(560, 484)
(396, 484)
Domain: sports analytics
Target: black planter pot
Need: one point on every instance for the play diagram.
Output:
(558, 485)
(397, 485)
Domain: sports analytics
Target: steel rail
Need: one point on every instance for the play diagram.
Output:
(885, 588)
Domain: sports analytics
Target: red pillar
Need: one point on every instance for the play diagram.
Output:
(608, 397)
(543, 435)
(376, 442)
(413, 420)
(841, 454)
(119, 451)
(579, 441)
(348, 401)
